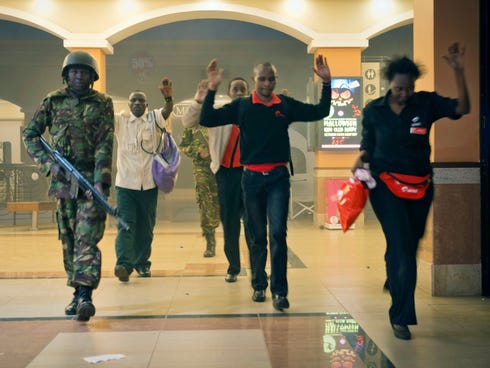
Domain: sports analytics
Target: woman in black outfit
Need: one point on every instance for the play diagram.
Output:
(395, 139)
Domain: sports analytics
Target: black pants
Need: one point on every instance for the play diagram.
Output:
(232, 210)
(403, 222)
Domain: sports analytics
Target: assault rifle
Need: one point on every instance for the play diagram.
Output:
(77, 180)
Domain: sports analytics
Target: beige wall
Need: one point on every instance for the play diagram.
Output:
(109, 19)
(451, 249)
(435, 28)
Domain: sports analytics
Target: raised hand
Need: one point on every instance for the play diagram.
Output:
(455, 56)
(215, 75)
(322, 69)
(166, 87)
(202, 90)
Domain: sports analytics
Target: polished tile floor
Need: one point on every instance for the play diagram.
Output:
(186, 315)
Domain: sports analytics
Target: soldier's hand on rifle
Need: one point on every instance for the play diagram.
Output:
(98, 187)
(57, 172)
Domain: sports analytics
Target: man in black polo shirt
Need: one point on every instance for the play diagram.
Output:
(263, 119)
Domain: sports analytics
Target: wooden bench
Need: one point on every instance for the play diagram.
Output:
(33, 207)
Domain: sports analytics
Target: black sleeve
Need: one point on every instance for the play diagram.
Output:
(211, 117)
(308, 112)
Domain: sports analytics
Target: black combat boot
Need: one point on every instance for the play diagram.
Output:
(210, 245)
(85, 308)
(71, 309)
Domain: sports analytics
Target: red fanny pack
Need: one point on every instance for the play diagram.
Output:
(406, 186)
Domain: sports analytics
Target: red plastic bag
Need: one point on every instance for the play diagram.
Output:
(352, 196)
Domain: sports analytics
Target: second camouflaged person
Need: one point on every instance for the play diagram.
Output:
(195, 145)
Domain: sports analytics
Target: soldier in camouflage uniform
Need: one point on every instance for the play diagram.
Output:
(80, 123)
(194, 144)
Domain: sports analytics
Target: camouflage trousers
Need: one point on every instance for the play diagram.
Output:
(81, 225)
(206, 198)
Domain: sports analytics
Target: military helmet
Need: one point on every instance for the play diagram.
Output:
(80, 58)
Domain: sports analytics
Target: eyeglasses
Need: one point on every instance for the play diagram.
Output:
(263, 79)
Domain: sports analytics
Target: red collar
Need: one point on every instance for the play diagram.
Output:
(274, 101)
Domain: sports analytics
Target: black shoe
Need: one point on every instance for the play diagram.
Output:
(280, 302)
(71, 309)
(386, 287)
(121, 273)
(143, 271)
(258, 296)
(85, 310)
(230, 277)
(401, 331)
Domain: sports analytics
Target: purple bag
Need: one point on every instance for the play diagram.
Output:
(165, 165)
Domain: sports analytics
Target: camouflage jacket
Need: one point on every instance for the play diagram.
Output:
(193, 140)
(81, 129)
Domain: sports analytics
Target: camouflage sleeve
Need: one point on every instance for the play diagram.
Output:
(189, 145)
(34, 129)
(103, 147)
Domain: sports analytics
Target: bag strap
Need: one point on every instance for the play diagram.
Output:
(424, 179)
(152, 120)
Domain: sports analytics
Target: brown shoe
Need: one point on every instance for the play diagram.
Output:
(121, 273)
(401, 331)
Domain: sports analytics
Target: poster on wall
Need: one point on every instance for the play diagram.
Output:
(341, 129)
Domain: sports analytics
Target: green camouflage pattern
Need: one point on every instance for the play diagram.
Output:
(81, 130)
(192, 142)
(81, 225)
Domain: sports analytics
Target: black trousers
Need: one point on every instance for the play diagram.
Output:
(232, 211)
(403, 222)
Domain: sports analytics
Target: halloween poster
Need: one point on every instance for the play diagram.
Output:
(342, 127)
